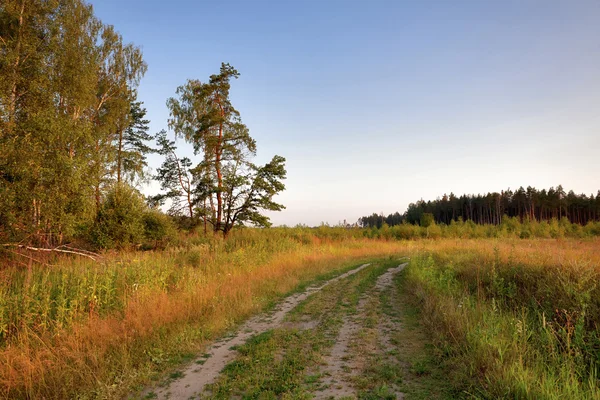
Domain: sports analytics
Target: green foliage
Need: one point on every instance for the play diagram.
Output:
(66, 81)
(175, 177)
(509, 228)
(158, 227)
(132, 145)
(120, 221)
(426, 220)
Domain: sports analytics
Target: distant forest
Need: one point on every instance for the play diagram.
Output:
(530, 203)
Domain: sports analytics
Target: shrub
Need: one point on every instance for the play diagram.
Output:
(158, 228)
(426, 220)
(119, 222)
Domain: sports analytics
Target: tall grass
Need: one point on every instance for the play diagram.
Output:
(84, 329)
(517, 319)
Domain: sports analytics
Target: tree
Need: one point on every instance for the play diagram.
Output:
(65, 84)
(236, 189)
(120, 68)
(530, 204)
(248, 189)
(131, 145)
(175, 177)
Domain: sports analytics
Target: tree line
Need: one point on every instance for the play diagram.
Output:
(524, 204)
(74, 137)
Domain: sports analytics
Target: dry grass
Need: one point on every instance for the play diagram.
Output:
(98, 330)
(504, 309)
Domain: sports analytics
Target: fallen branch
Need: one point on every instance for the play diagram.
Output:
(59, 249)
(82, 251)
(29, 258)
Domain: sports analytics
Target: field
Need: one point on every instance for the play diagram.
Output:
(516, 319)
(484, 318)
(98, 329)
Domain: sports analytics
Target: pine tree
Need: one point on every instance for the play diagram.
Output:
(132, 146)
(239, 190)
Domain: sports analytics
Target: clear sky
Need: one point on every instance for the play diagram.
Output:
(376, 104)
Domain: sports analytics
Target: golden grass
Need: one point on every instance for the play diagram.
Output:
(139, 312)
(99, 330)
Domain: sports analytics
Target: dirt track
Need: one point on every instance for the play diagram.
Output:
(196, 377)
(340, 359)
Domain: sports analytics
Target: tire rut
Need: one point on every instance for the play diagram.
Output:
(339, 369)
(196, 377)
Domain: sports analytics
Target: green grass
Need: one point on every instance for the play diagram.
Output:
(512, 324)
(408, 365)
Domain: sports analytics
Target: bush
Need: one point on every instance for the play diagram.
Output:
(119, 222)
(427, 220)
(158, 227)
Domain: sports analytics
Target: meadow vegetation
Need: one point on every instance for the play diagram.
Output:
(509, 228)
(514, 318)
(519, 316)
(73, 327)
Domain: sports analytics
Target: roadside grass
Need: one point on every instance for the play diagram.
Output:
(425, 377)
(514, 320)
(394, 353)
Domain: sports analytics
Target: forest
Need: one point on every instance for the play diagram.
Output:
(524, 204)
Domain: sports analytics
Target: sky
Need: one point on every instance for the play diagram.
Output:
(376, 104)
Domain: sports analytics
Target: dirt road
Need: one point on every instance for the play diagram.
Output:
(196, 377)
(343, 339)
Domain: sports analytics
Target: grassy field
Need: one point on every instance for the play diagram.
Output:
(335, 343)
(99, 329)
(516, 319)
(512, 318)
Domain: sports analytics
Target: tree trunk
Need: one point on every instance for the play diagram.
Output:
(204, 217)
(219, 177)
(97, 196)
(190, 205)
(12, 105)
(120, 155)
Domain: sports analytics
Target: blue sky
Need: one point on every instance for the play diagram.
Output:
(376, 104)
